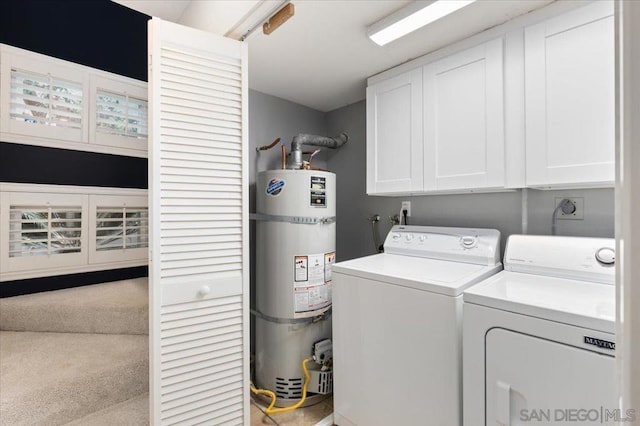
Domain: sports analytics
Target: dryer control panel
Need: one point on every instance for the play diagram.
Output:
(469, 245)
(581, 258)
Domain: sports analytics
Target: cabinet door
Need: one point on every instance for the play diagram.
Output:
(570, 95)
(464, 120)
(394, 135)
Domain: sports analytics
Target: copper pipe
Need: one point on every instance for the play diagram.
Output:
(271, 145)
(284, 156)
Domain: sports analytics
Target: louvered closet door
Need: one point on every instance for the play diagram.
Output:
(199, 228)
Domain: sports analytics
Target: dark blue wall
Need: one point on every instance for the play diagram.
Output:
(99, 34)
(35, 164)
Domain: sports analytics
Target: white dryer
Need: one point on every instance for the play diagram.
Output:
(397, 319)
(539, 337)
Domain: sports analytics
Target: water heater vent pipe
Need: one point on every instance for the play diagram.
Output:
(313, 140)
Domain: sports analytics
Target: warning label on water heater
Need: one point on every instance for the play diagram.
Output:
(318, 191)
(329, 260)
(312, 283)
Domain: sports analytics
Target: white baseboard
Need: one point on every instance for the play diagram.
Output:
(327, 421)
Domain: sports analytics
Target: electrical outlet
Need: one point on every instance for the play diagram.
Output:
(406, 205)
(578, 214)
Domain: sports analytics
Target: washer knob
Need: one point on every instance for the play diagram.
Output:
(409, 237)
(606, 256)
(468, 242)
(422, 238)
(395, 236)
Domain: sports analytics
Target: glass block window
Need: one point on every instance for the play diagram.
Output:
(122, 228)
(44, 230)
(46, 100)
(121, 114)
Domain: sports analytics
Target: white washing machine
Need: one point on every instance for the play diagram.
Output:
(397, 319)
(539, 337)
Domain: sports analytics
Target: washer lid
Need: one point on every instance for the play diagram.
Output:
(437, 276)
(575, 302)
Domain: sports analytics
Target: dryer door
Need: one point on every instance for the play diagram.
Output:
(529, 379)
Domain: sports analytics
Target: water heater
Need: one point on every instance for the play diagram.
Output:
(295, 251)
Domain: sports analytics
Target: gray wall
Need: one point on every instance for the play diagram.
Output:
(502, 211)
(271, 118)
(598, 213)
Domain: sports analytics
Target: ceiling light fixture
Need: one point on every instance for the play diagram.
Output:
(410, 18)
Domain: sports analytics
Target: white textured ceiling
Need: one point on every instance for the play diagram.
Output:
(321, 57)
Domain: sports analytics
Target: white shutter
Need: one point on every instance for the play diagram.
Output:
(199, 236)
(121, 114)
(119, 228)
(43, 97)
(44, 231)
(119, 111)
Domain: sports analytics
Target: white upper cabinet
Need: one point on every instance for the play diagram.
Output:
(394, 135)
(570, 95)
(527, 104)
(464, 120)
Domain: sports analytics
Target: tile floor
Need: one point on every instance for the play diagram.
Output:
(307, 416)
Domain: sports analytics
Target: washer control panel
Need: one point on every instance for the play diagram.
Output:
(480, 246)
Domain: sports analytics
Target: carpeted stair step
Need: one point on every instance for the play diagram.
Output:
(133, 412)
(119, 307)
(55, 378)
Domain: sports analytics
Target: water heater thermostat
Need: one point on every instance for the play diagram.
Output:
(323, 351)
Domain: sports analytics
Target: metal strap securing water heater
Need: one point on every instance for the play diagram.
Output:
(307, 220)
(323, 316)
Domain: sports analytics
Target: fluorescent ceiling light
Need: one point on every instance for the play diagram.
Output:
(412, 17)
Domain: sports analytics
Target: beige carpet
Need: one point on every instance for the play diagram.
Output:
(133, 412)
(119, 307)
(86, 361)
